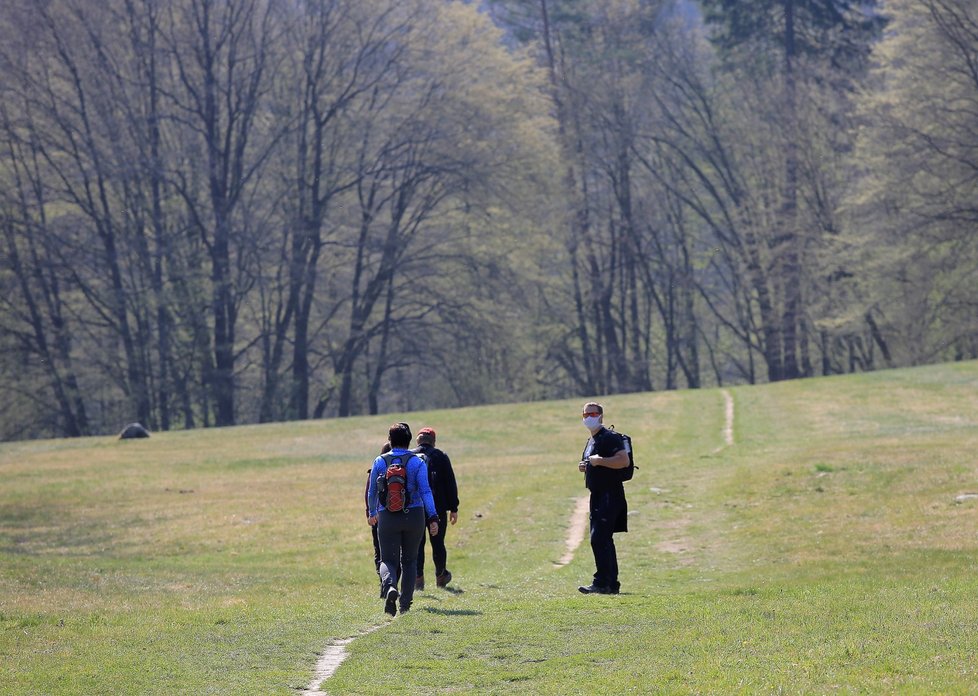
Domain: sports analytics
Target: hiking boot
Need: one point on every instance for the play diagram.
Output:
(419, 582)
(444, 578)
(391, 605)
(596, 589)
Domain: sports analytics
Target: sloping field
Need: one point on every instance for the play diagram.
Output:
(831, 547)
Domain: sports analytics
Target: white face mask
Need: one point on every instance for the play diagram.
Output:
(592, 422)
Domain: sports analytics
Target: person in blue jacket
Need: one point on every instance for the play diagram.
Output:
(400, 533)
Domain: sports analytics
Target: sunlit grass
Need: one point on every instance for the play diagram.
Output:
(827, 549)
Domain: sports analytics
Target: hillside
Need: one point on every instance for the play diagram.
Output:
(831, 546)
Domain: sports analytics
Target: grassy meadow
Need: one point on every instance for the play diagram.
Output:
(826, 550)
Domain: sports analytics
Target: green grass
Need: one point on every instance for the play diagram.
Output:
(825, 551)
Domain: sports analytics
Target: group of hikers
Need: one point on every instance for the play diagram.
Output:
(408, 491)
(413, 491)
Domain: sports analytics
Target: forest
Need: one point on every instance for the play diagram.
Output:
(218, 212)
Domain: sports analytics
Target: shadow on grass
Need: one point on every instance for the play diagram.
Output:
(598, 594)
(453, 612)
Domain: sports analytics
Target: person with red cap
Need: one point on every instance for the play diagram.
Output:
(441, 478)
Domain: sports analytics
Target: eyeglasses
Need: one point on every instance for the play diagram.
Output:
(591, 414)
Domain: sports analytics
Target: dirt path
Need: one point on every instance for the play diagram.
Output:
(575, 533)
(329, 662)
(728, 427)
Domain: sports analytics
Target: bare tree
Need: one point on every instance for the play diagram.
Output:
(222, 57)
(35, 311)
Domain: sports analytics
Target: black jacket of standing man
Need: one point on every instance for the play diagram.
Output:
(602, 462)
(441, 478)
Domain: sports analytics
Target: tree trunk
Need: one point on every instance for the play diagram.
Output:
(790, 240)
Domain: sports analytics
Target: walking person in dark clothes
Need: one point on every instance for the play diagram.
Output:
(400, 532)
(603, 459)
(373, 528)
(441, 477)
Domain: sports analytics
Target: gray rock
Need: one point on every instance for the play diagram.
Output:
(133, 431)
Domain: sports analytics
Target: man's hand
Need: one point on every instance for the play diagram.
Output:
(372, 521)
(433, 528)
(453, 517)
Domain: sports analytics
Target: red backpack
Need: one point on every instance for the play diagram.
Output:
(392, 484)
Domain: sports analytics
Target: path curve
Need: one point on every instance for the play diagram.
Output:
(575, 534)
(329, 662)
(335, 652)
(728, 426)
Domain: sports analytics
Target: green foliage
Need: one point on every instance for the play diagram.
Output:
(915, 159)
(840, 31)
(216, 214)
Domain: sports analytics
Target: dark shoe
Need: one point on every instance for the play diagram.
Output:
(419, 582)
(391, 606)
(596, 589)
(444, 578)
(405, 609)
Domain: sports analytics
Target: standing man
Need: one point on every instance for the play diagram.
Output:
(441, 477)
(603, 460)
(400, 531)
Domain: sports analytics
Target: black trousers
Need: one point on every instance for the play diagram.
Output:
(399, 535)
(607, 510)
(438, 552)
(373, 533)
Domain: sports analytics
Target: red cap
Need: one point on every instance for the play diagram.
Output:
(427, 431)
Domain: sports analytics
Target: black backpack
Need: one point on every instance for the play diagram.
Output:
(628, 471)
(432, 474)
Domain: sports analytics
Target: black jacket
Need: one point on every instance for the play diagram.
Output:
(441, 478)
(599, 478)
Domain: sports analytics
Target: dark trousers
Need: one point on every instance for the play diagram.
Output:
(438, 552)
(373, 533)
(606, 508)
(400, 534)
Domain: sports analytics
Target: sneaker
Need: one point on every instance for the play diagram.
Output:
(419, 582)
(596, 589)
(444, 578)
(391, 605)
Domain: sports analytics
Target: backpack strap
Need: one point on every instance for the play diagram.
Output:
(388, 458)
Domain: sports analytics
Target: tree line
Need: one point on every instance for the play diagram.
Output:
(225, 212)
